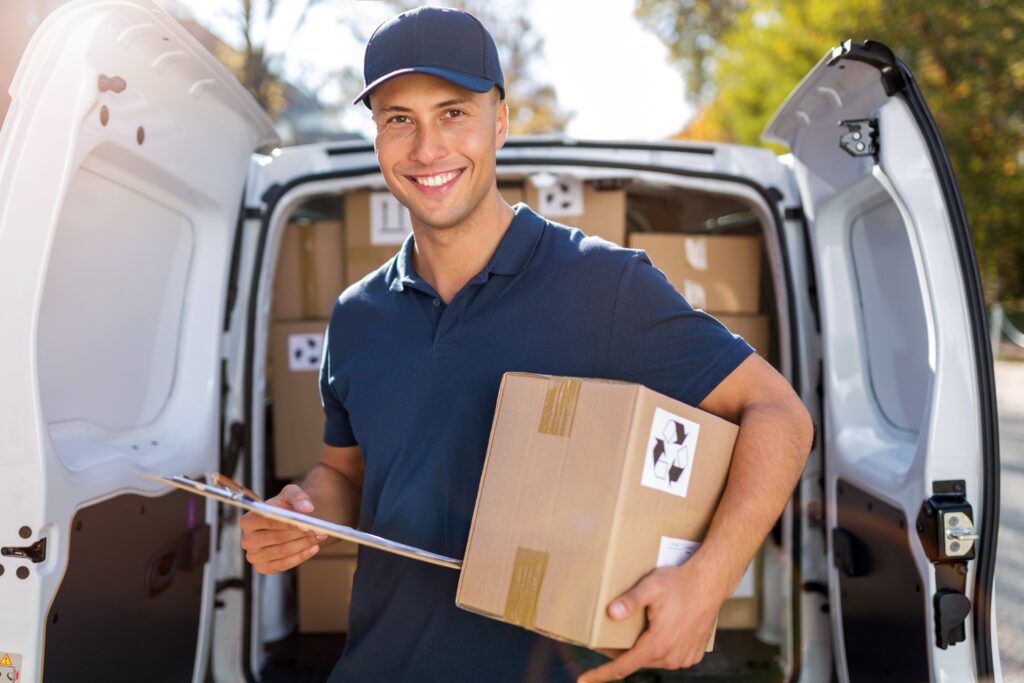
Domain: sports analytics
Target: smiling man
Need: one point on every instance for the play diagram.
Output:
(414, 355)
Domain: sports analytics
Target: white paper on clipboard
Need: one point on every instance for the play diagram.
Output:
(302, 521)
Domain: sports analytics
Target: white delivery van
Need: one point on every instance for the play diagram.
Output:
(139, 240)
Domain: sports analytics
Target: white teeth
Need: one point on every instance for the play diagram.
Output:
(435, 180)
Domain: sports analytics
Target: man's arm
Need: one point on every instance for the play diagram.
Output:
(682, 603)
(331, 491)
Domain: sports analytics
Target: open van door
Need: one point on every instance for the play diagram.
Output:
(910, 442)
(122, 161)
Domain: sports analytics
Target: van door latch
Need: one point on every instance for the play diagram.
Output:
(945, 526)
(860, 138)
(35, 552)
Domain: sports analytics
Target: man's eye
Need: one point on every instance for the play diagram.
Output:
(398, 119)
(455, 113)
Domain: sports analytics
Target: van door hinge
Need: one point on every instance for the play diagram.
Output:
(860, 138)
(945, 526)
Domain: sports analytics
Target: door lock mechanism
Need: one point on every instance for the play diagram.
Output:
(945, 525)
(959, 534)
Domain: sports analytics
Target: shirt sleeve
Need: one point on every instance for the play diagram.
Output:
(657, 339)
(337, 427)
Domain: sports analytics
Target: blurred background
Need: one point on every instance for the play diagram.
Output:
(652, 69)
(712, 70)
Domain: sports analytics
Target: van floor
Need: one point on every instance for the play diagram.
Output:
(738, 657)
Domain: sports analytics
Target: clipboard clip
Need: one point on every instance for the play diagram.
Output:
(224, 481)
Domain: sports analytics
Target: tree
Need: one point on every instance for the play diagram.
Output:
(965, 55)
(252, 65)
(533, 103)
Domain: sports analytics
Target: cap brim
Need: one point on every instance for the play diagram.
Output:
(467, 81)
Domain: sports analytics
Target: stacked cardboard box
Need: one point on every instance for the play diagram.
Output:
(325, 589)
(595, 211)
(717, 273)
(310, 270)
(588, 485)
(376, 225)
(309, 277)
(296, 348)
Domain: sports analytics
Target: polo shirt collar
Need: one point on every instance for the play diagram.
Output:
(513, 254)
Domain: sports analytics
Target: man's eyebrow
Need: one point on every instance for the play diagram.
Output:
(457, 100)
(439, 105)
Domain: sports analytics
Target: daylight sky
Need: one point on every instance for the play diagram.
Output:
(604, 66)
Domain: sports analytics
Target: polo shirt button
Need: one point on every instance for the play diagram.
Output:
(437, 302)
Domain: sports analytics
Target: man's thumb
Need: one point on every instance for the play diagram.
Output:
(296, 498)
(629, 602)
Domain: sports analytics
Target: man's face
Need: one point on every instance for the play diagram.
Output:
(436, 145)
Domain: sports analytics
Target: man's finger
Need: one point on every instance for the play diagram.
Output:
(256, 540)
(636, 598)
(621, 666)
(285, 563)
(278, 551)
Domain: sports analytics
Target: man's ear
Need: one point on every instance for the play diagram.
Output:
(501, 124)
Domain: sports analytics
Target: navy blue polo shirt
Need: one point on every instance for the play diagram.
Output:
(414, 381)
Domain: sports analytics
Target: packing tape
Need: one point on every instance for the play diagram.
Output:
(310, 286)
(559, 406)
(524, 587)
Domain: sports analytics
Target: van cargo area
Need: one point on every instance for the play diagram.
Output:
(717, 246)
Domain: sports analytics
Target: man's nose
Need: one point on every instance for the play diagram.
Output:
(430, 145)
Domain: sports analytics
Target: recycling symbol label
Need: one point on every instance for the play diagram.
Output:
(668, 460)
(304, 351)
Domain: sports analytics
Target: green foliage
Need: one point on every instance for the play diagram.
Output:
(966, 56)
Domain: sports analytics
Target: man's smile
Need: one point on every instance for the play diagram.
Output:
(437, 182)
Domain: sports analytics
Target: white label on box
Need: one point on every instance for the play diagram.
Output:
(668, 459)
(305, 352)
(693, 292)
(673, 552)
(563, 198)
(389, 220)
(696, 249)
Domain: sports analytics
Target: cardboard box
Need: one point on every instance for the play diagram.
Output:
(295, 349)
(374, 235)
(310, 270)
(588, 486)
(713, 272)
(754, 329)
(595, 212)
(512, 192)
(375, 227)
(325, 593)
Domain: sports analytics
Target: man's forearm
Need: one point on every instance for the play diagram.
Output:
(770, 452)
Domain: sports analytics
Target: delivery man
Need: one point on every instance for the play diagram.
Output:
(414, 354)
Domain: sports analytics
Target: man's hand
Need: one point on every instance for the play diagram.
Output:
(272, 546)
(682, 604)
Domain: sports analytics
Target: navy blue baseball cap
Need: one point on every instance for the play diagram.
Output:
(439, 41)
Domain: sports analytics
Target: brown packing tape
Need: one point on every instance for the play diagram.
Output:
(559, 406)
(307, 271)
(524, 587)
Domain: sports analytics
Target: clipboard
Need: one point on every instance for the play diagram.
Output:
(224, 490)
